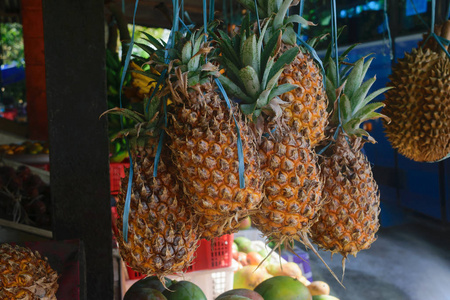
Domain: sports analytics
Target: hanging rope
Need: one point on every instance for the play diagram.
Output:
(257, 17)
(440, 40)
(335, 55)
(310, 49)
(130, 178)
(161, 138)
(227, 100)
(300, 12)
(388, 29)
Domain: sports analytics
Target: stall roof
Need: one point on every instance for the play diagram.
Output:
(9, 11)
(157, 13)
(150, 13)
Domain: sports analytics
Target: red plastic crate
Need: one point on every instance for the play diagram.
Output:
(116, 173)
(210, 255)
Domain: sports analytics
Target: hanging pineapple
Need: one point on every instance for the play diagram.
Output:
(305, 111)
(204, 143)
(419, 105)
(293, 187)
(162, 232)
(348, 221)
(24, 274)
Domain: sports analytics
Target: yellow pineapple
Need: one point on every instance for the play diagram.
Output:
(162, 235)
(24, 274)
(305, 112)
(293, 189)
(205, 142)
(293, 186)
(162, 232)
(348, 221)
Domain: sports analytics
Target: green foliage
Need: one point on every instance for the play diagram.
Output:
(12, 43)
(141, 33)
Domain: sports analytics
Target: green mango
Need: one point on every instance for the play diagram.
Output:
(283, 287)
(151, 282)
(184, 290)
(144, 294)
(234, 297)
(246, 293)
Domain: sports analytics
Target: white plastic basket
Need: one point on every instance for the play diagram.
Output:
(212, 282)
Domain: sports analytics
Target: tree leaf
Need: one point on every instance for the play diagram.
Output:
(155, 42)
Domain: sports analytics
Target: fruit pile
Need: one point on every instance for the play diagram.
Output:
(274, 288)
(26, 147)
(24, 197)
(255, 266)
(248, 112)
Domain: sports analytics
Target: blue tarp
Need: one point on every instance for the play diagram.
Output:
(12, 74)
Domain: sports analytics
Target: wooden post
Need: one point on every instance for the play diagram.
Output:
(79, 162)
(33, 40)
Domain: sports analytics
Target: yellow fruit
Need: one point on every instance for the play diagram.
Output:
(348, 221)
(162, 235)
(249, 277)
(318, 288)
(292, 190)
(286, 269)
(205, 150)
(306, 111)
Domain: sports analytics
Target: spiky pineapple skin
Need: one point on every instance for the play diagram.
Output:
(419, 106)
(24, 274)
(162, 235)
(307, 104)
(292, 190)
(348, 221)
(204, 147)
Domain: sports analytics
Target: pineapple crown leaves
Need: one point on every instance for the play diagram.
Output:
(354, 106)
(147, 123)
(275, 11)
(253, 73)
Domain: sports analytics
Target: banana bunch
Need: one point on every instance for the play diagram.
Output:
(140, 86)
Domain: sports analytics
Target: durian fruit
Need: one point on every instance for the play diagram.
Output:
(419, 106)
(25, 275)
